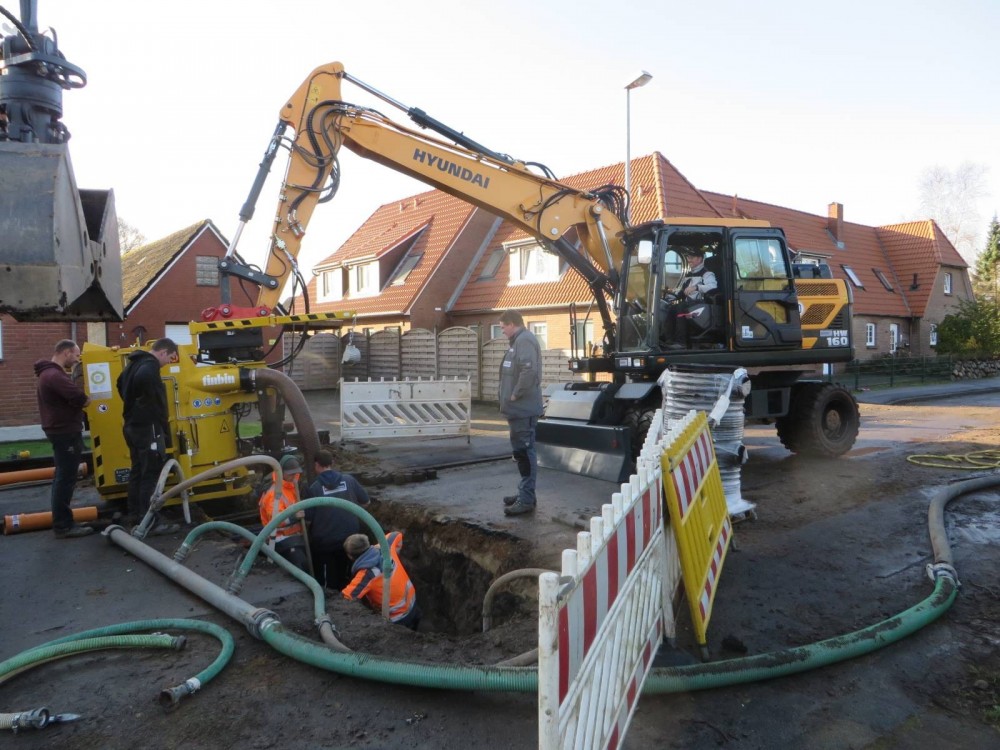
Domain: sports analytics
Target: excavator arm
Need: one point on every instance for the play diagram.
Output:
(540, 205)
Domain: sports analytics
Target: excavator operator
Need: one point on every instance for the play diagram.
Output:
(695, 284)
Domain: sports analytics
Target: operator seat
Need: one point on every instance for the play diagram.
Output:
(716, 298)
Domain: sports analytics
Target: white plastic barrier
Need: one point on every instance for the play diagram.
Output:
(405, 408)
(601, 624)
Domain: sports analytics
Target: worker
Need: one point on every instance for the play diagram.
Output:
(289, 542)
(694, 285)
(60, 406)
(328, 526)
(146, 428)
(521, 403)
(368, 582)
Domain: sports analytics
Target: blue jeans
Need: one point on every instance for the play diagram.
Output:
(66, 453)
(522, 443)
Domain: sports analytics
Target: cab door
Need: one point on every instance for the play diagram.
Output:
(765, 305)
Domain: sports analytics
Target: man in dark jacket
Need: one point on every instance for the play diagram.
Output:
(521, 403)
(60, 405)
(146, 427)
(329, 527)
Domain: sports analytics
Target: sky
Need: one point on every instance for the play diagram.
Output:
(793, 103)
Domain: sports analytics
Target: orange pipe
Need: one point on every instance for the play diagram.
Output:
(35, 475)
(35, 521)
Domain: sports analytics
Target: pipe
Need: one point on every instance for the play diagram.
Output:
(323, 621)
(36, 475)
(503, 581)
(19, 522)
(301, 416)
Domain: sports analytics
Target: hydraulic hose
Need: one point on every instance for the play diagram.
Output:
(323, 622)
(528, 657)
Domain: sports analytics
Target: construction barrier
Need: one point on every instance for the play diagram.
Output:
(699, 515)
(601, 623)
(405, 408)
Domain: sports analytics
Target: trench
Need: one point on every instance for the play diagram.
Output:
(452, 564)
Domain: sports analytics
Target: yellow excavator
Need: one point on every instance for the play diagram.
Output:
(780, 319)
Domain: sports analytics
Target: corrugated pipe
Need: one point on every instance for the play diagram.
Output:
(296, 402)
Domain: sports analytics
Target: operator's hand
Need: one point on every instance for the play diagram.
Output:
(691, 291)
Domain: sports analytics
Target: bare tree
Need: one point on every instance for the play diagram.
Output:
(129, 238)
(950, 199)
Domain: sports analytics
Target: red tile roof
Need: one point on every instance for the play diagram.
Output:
(917, 249)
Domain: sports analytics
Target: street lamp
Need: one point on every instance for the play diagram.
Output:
(642, 80)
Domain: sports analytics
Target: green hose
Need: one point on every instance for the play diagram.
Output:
(170, 696)
(52, 651)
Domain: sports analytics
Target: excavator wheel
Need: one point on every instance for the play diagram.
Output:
(822, 420)
(638, 419)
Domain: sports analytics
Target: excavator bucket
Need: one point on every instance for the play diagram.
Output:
(59, 251)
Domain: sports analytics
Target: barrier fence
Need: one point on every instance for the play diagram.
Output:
(405, 408)
(602, 621)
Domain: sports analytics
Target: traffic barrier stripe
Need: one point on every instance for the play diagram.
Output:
(708, 590)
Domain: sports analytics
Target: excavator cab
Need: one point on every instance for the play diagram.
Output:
(59, 250)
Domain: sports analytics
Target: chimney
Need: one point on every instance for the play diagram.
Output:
(835, 222)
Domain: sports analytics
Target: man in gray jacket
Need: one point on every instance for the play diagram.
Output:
(521, 404)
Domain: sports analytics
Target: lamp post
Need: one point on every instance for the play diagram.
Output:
(641, 80)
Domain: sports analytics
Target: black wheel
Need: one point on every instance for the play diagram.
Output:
(638, 419)
(822, 420)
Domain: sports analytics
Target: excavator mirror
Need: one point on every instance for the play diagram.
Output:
(644, 252)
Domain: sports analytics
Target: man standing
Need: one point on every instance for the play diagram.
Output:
(329, 527)
(146, 427)
(60, 404)
(521, 404)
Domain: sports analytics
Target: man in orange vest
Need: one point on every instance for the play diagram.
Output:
(289, 542)
(368, 582)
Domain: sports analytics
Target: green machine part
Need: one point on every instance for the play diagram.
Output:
(203, 401)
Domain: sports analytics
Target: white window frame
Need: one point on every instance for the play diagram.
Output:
(330, 285)
(870, 340)
(893, 337)
(585, 335)
(541, 331)
(364, 280)
(933, 334)
(947, 283)
(496, 331)
(852, 276)
(533, 264)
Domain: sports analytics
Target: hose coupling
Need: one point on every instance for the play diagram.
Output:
(261, 620)
(170, 698)
(37, 719)
(943, 570)
(182, 552)
(326, 620)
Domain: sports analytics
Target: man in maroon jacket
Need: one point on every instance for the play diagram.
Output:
(60, 404)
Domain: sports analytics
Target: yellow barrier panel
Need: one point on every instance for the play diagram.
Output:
(698, 514)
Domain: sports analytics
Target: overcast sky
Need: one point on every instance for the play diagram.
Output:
(788, 102)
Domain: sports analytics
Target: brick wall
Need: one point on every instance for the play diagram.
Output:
(24, 344)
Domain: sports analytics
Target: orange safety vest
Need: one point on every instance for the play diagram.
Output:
(289, 496)
(368, 582)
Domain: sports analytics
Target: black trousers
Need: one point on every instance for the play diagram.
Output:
(148, 454)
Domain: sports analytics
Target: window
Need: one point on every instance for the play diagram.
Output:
(532, 264)
(584, 335)
(496, 332)
(493, 263)
(541, 331)
(852, 276)
(893, 337)
(933, 334)
(364, 280)
(330, 285)
(759, 259)
(947, 283)
(206, 270)
(403, 270)
(870, 335)
(881, 277)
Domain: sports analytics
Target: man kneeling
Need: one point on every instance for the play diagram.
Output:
(368, 582)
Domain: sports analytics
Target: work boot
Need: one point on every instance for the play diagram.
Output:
(510, 500)
(518, 508)
(73, 532)
(162, 528)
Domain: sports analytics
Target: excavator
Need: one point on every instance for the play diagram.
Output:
(780, 319)
(59, 254)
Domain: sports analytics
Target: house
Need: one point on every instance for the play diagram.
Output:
(433, 261)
